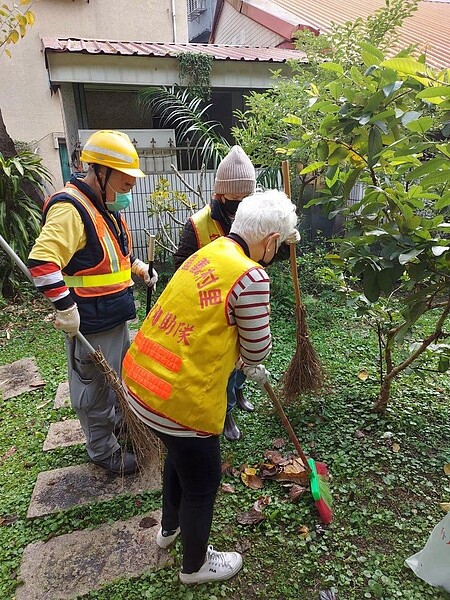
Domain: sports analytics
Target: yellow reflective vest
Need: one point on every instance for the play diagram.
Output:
(180, 361)
(205, 227)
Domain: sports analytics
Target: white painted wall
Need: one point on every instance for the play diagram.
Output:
(30, 111)
(238, 29)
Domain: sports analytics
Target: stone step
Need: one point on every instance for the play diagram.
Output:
(82, 561)
(19, 377)
(65, 488)
(63, 434)
(62, 397)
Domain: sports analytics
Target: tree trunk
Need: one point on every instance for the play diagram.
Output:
(7, 147)
(383, 397)
(392, 372)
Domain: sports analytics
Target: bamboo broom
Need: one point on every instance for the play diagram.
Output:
(151, 259)
(304, 373)
(145, 444)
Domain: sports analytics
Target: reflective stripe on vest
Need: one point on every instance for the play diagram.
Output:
(151, 383)
(97, 280)
(205, 227)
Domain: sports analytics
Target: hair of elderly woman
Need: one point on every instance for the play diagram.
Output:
(264, 213)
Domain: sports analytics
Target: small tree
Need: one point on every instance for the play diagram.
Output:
(164, 204)
(386, 123)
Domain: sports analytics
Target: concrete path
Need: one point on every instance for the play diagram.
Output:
(62, 398)
(78, 562)
(63, 434)
(65, 488)
(19, 377)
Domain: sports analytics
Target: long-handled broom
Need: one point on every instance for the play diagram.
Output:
(305, 372)
(317, 471)
(151, 258)
(144, 442)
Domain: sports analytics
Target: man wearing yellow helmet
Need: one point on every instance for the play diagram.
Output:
(82, 262)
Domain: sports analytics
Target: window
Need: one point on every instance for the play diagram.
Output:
(195, 8)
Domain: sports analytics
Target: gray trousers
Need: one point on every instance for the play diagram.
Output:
(92, 399)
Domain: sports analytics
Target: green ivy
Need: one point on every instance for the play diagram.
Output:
(195, 69)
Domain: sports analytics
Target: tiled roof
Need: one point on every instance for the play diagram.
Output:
(429, 26)
(219, 52)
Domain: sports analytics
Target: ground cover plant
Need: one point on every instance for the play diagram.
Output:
(388, 477)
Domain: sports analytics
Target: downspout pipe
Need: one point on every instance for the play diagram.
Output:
(174, 23)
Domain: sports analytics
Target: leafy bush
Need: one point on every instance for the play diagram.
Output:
(19, 214)
(316, 277)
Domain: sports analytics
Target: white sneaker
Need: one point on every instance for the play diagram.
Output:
(164, 541)
(217, 567)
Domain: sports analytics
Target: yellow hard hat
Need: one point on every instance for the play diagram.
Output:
(112, 149)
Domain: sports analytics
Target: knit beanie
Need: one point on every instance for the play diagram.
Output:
(235, 174)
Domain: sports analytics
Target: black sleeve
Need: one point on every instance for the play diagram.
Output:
(188, 245)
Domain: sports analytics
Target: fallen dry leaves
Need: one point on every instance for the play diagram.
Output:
(278, 443)
(363, 374)
(251, 479)
(296, 491)
(255, 514)
(227, 488)
(9, 453)
(147, 522)
(289, 469)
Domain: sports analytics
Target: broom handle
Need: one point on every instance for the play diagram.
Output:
(151, 258)
(287, 426)
(292, 255)
(22, 266)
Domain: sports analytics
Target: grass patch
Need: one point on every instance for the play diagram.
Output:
(386, 502)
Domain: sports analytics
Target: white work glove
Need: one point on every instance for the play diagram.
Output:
(142, 269)
(68, 320)
(257, 373)
(294, 237)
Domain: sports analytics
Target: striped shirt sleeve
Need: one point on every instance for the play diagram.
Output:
(48, 279)
(62, 235)
(249, 308)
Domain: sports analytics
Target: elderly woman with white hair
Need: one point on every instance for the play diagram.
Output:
(212, 314)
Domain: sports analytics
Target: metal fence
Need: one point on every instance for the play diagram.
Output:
(157, 164)
(138, 218)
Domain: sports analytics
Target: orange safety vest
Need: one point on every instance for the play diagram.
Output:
(113, 273)
(205, 227)
(179, 363)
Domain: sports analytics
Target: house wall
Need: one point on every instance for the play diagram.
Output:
(236, 28)
(32, 113)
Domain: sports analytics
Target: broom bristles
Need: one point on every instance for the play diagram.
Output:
(322, 469)
(146, 446)
(304, 373)
(325, 492)
(324, 511)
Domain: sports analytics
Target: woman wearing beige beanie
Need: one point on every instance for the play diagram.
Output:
(235, 179)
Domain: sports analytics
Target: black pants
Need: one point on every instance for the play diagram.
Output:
(192, 473)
